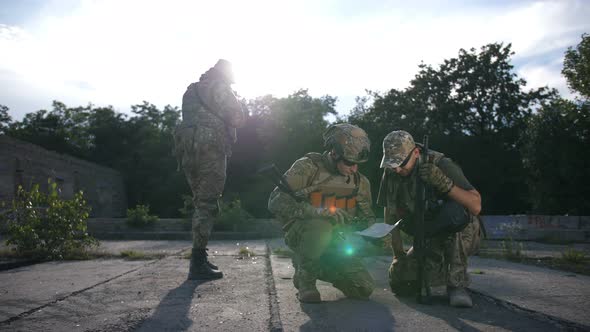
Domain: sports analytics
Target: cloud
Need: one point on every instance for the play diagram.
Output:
(123, 52)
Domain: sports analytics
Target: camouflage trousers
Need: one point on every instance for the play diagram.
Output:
(446, 259)
(206, 178)
(316, 256)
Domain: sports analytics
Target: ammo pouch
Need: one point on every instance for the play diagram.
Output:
(449, 218)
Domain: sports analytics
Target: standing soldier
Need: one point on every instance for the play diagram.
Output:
(210, 115)
(451, 223)
(334, 191)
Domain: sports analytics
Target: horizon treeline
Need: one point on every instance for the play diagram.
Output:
(524, 150)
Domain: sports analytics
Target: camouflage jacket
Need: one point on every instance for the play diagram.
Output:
(212, 108)
(398, 193)
(304, 174)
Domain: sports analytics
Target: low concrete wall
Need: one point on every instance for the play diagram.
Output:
(517, 227)
(538, 227)
(179, 229)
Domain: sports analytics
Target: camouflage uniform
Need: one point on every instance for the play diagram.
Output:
(446, 260)
(210, 115)
(317, 249)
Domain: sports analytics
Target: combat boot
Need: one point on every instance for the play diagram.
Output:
(211, 265)
(199, 269)
(459, 297)
(308, 292)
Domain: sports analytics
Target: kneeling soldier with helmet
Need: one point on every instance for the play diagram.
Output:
(334, 192)
(451, 223)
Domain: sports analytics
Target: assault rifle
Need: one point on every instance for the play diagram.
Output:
(422, 284)
(272, 173)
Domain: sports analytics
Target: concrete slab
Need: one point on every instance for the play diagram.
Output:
(153, 297)
(256, 294)
(26, 288)
(384, 311)
(163, 247)
(564, 295)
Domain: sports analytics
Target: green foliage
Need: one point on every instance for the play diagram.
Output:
(139, 147)
(512, 250)
(554, 146)
(474, 108)
(5, 119)
(573, 256)
(245, 252)
(187, 209)
(45, 226)
(292, 126)
(140, 216)
(231, 216)
(576, 67)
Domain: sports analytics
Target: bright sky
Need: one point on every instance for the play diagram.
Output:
(121, 52)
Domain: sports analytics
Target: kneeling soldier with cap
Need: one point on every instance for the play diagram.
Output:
(452, 226)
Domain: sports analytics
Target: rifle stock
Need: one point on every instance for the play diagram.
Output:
(273, 174)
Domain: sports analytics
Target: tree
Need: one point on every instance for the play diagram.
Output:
(5, 119)
(555, 148)
(140, 147)
(62, 129)
(474, 108)
(277, 130)
(293, 126)
(576, 67)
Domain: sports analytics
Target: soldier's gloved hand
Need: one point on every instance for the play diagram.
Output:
(432, 175)
(340, 216)
(310, 211)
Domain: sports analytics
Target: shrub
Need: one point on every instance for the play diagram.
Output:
(231, 216)
(573, 256)
(45, 226)
(512, 250)
(187, 209)
(140, 216)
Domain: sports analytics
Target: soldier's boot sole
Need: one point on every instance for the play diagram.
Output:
(212, 266)
(203, 272)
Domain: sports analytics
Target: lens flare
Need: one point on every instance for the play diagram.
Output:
(349, 250)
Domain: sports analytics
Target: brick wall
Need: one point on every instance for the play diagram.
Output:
(25, 164)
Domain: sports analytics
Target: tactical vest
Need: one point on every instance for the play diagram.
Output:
(328, 190)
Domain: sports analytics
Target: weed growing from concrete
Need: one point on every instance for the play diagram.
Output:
(573, 256)
(511, 249)
(245, 252)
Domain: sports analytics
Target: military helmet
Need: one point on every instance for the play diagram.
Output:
(348, 141)
(397, 146)
(225, 68)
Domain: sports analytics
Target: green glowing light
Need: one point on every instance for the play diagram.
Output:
(349, 250)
